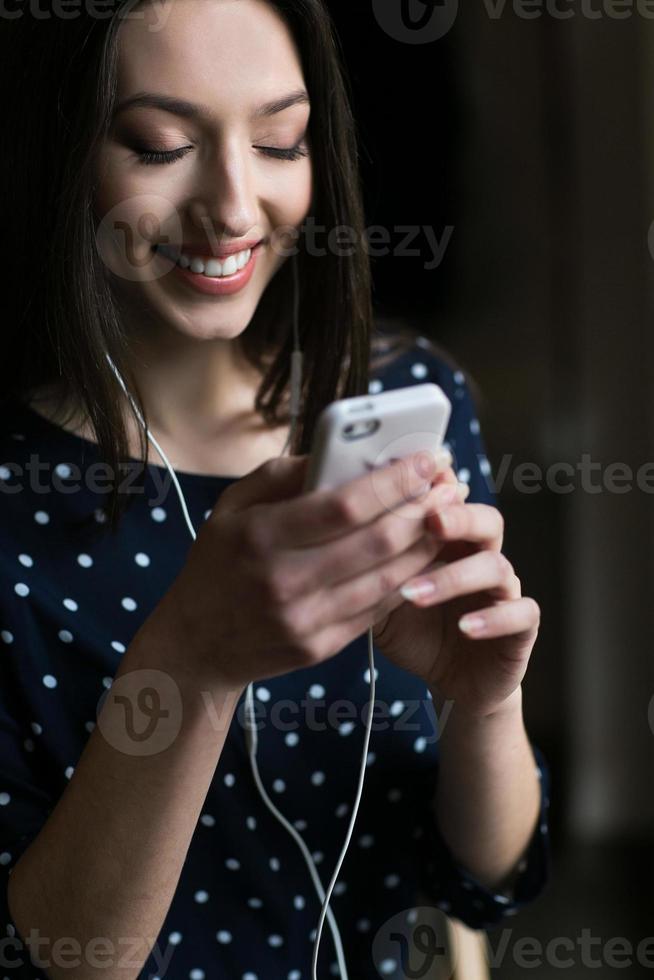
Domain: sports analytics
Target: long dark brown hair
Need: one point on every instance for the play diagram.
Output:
(60, 313)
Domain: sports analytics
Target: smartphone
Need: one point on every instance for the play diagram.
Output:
(356, 435)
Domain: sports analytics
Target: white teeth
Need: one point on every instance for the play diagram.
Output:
(210, 267)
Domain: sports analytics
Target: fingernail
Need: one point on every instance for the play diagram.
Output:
(418, 590)
(471, 624)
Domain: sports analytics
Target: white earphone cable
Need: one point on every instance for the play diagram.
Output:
(250, 730)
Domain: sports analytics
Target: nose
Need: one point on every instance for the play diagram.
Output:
(227, 198)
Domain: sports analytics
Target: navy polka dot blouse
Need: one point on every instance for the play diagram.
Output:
(72, 598)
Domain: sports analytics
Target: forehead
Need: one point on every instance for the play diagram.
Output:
(217, 51)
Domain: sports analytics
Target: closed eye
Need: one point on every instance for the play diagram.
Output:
(149, 157)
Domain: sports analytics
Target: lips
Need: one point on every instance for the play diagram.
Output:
(220, 252)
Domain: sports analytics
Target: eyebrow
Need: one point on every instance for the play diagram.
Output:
(195, 111)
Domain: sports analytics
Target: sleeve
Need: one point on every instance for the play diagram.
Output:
(24, 808)
(452, 888)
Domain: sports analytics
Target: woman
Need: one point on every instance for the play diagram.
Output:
(177, 132)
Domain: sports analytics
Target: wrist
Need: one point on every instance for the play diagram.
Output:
(506, 715)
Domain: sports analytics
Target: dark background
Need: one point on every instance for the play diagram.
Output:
(533, 139)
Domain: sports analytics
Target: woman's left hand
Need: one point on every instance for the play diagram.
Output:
(479, 670)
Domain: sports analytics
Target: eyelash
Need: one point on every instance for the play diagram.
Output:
(149, 157)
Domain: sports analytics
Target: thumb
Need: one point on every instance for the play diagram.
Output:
(278, 478)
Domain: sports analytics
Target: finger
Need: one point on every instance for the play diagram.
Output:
(485, 571)
(321, 515)
(477, 523)
(364, 593)
(505, 619)
(372, 546)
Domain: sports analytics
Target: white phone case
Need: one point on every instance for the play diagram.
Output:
(356, 435)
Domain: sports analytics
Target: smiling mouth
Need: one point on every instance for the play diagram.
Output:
(208, 266)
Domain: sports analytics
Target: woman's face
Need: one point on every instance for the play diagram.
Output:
(229, 182)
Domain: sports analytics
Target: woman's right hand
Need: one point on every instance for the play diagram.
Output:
(277, 579)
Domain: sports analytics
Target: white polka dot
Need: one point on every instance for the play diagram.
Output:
(263, 693)
(141, 559)
(233, 864)
(175, 938)
(7, 637)
(21, 589)
(223, 936)
(313, 934)
(391, 881)
(128, 603)
(118, 646)
(474, 426)
(522, 865)
(4, 799)
(5, 473)
(419, 370)
(100, 515)
(196, 974)
(342, 809)
(317, 778)
(49, 680)
(502, 899)
(366, 674)
(274, 864)
(255, 903)
(251, 823)
(229, 779)
(5, 857)
(300, 824)
(107, 682)
(464, 475)
(387, 967)
(275, 940)
(340, 887)
(375, 386)
(396, 708)
(207, 513)
(249, 976)
(71, 604)
(89, 725)
(543, 828)
(29, 745)
(69, 772)
(41, 517)
(370, 758)
(420, 744)
(367, 840)
(458, 377)
(317, 857)
(10, 930)
(394, 795)
(291, 738)
(201, 896)
(25, 560)
(36, 728)
(412, 916)
(207, 820)
(363, 925)
(345, 727)
(158, 514)
(444, 905)
(65, 636)
(299, 902)
(63, 470)
(484, 466)
(279, 785)
(294, 975)
(84, 560)
(317, 691)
